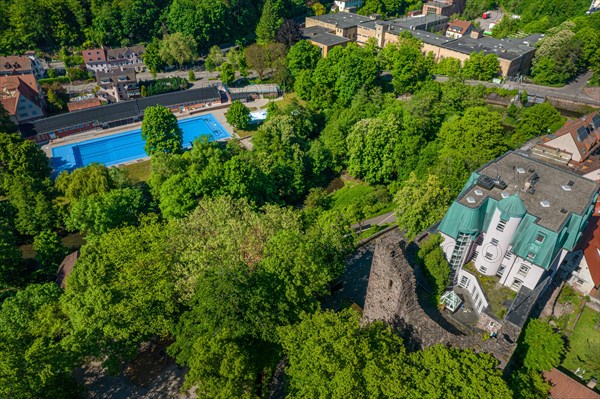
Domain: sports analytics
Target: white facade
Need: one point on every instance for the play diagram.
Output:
(581, 277)
(344, 5)
(469, 282)
(27, 109)
(496, 243)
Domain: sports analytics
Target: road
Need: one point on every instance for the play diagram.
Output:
(572, 91)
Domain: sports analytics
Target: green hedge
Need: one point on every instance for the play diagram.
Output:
(59, 79)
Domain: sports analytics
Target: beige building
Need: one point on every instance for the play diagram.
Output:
(22, 97)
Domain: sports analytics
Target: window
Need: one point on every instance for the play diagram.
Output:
(488, 256)
(508, 255)
(531, 255)
(478, 304)
(494, 242)
(464, 281)
(501, 225)
(540, 238)
(500, 271)
(476, 297)
(516, 284)
(523, 270)
(483, 269)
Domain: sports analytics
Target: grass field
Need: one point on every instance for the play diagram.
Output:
(371, 201)
(584, 345)
(139, 171)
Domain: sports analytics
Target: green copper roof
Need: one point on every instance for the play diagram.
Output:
(512, 207)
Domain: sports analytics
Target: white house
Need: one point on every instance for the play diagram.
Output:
(106, 59)
(517, 218)
(347, 5)
(22, 65)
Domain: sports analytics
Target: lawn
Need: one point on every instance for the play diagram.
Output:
(287, 100)
(365, 201)
(584, 346)
(139, 171)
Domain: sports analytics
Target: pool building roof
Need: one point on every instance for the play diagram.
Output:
(122, 111)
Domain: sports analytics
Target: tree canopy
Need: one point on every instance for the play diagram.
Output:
(161, 131)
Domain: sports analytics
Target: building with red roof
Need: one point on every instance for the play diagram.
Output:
(22, 97)
(457, 29)
(564, 387)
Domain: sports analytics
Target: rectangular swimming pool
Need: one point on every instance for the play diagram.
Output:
(129, 146)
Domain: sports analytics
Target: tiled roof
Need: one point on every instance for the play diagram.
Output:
(65, 268)
(15, 62)
(94, 55)
(124, 52)
(564, 387)
(117, 75)
(77, 105)
(11, 87)
(590, 135)
(459, 26)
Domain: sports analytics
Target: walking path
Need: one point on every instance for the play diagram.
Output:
(386, 218)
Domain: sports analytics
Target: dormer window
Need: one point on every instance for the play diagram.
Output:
(531, 255)
(540, 238)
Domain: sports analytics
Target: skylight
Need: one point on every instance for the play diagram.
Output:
(545, 204)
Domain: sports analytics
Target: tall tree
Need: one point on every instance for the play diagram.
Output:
(269, 22)
(302, 55)
(177, 48)
(289, 33)
(161, 131)
(6, 124)
(238, 115)
(152, 58)
(49, 251)
(227, 73)
(481, 67)
(20, 158)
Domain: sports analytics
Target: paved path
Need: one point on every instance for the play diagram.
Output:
(386, 218)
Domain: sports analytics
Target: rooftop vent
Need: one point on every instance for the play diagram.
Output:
(478, 192)
(545, 204)
(520, 170)
(485, 182)
(566, 187)
(470, 200)
(563, 210)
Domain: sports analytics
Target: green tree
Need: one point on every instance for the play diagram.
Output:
(122, 292)
(534, 121)
(269, 23)
(83, 182)
(152, 57)
(49, 251)
(481, 67)
(34, 210)
(214, 59)
(238, 115)
(57, 97)
(20, 158)
(98, 213)
(421, 203)
(543, 348)
(331, 355)
(34, 360)
(6, 124)
(319, 9)
(558, 58)
(408, 65)
(431, 257)
(161, 131)
(10, 255)
(177, 48)
(227, 73)
(302, 55)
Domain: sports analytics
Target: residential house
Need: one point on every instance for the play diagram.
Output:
(516, 219)
(22, 97)
(22, 65)
(105, 59)
(347, 5)
(576, 145)
(117, 84)
(457, 29)
(564, 387)
(584, 262)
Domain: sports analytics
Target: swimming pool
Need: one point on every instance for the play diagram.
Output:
(129, 146)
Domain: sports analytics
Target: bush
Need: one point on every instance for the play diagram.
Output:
(166, 85)
(49, 81)
(238, 115)
(436, 267)
(191, 76)
(78, 73)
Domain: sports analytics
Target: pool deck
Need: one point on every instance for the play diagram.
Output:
(219, 115)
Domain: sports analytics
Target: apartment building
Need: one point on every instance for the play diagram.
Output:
(22, 65)
(517, 218)
(22, 97)
(118, 84)
(347, 5)
(105, 59)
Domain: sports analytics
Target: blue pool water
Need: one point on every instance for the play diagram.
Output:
(129, 146)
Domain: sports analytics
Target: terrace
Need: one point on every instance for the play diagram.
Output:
(499, 297)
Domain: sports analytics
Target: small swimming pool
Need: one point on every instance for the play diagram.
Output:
(129, 146)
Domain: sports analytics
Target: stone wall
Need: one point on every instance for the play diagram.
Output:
(392, 297)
